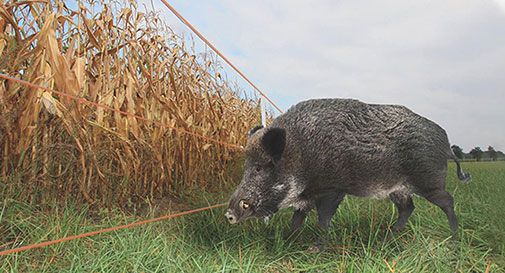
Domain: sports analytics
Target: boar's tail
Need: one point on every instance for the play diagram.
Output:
(462, 176)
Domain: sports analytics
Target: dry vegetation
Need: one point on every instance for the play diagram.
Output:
(113, 54)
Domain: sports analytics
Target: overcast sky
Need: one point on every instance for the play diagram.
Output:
(443, 59)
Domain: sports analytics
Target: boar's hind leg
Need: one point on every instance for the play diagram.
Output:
(405, 206)
(444, 200)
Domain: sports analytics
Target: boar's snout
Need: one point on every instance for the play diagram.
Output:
(231, 218)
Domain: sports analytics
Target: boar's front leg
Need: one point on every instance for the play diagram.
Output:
(326, 206)
(296, 222)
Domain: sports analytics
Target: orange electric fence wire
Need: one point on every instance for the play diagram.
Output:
(83, 100)
(188, 24)
(88, 234)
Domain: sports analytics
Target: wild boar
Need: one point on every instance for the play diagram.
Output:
(322, 149)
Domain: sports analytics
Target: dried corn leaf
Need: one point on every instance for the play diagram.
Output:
(51, 104)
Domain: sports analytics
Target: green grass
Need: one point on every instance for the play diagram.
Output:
(206, 243)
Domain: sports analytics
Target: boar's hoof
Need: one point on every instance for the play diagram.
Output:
(397, 228)
(315, 249)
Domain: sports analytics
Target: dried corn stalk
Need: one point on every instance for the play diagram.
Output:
(112, 54)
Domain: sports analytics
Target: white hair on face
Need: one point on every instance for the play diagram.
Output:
(279, 187)
(292, 198)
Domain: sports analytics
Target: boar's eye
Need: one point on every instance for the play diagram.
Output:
(243, 204)
(257, 169)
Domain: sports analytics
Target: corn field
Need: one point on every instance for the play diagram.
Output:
(110, 53)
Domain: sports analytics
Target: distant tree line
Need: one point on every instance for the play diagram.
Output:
(478, 154)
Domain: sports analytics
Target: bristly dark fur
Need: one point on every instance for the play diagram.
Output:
(326, 148)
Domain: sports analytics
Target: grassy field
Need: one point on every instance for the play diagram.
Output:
(206, 243)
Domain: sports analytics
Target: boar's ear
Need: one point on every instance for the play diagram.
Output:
(253, 130)
(274, 142)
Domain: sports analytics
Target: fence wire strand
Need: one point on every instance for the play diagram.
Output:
(208, 43)
(92, 233)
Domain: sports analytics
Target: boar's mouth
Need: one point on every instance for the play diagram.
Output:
(235, 218)
(231, 217)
